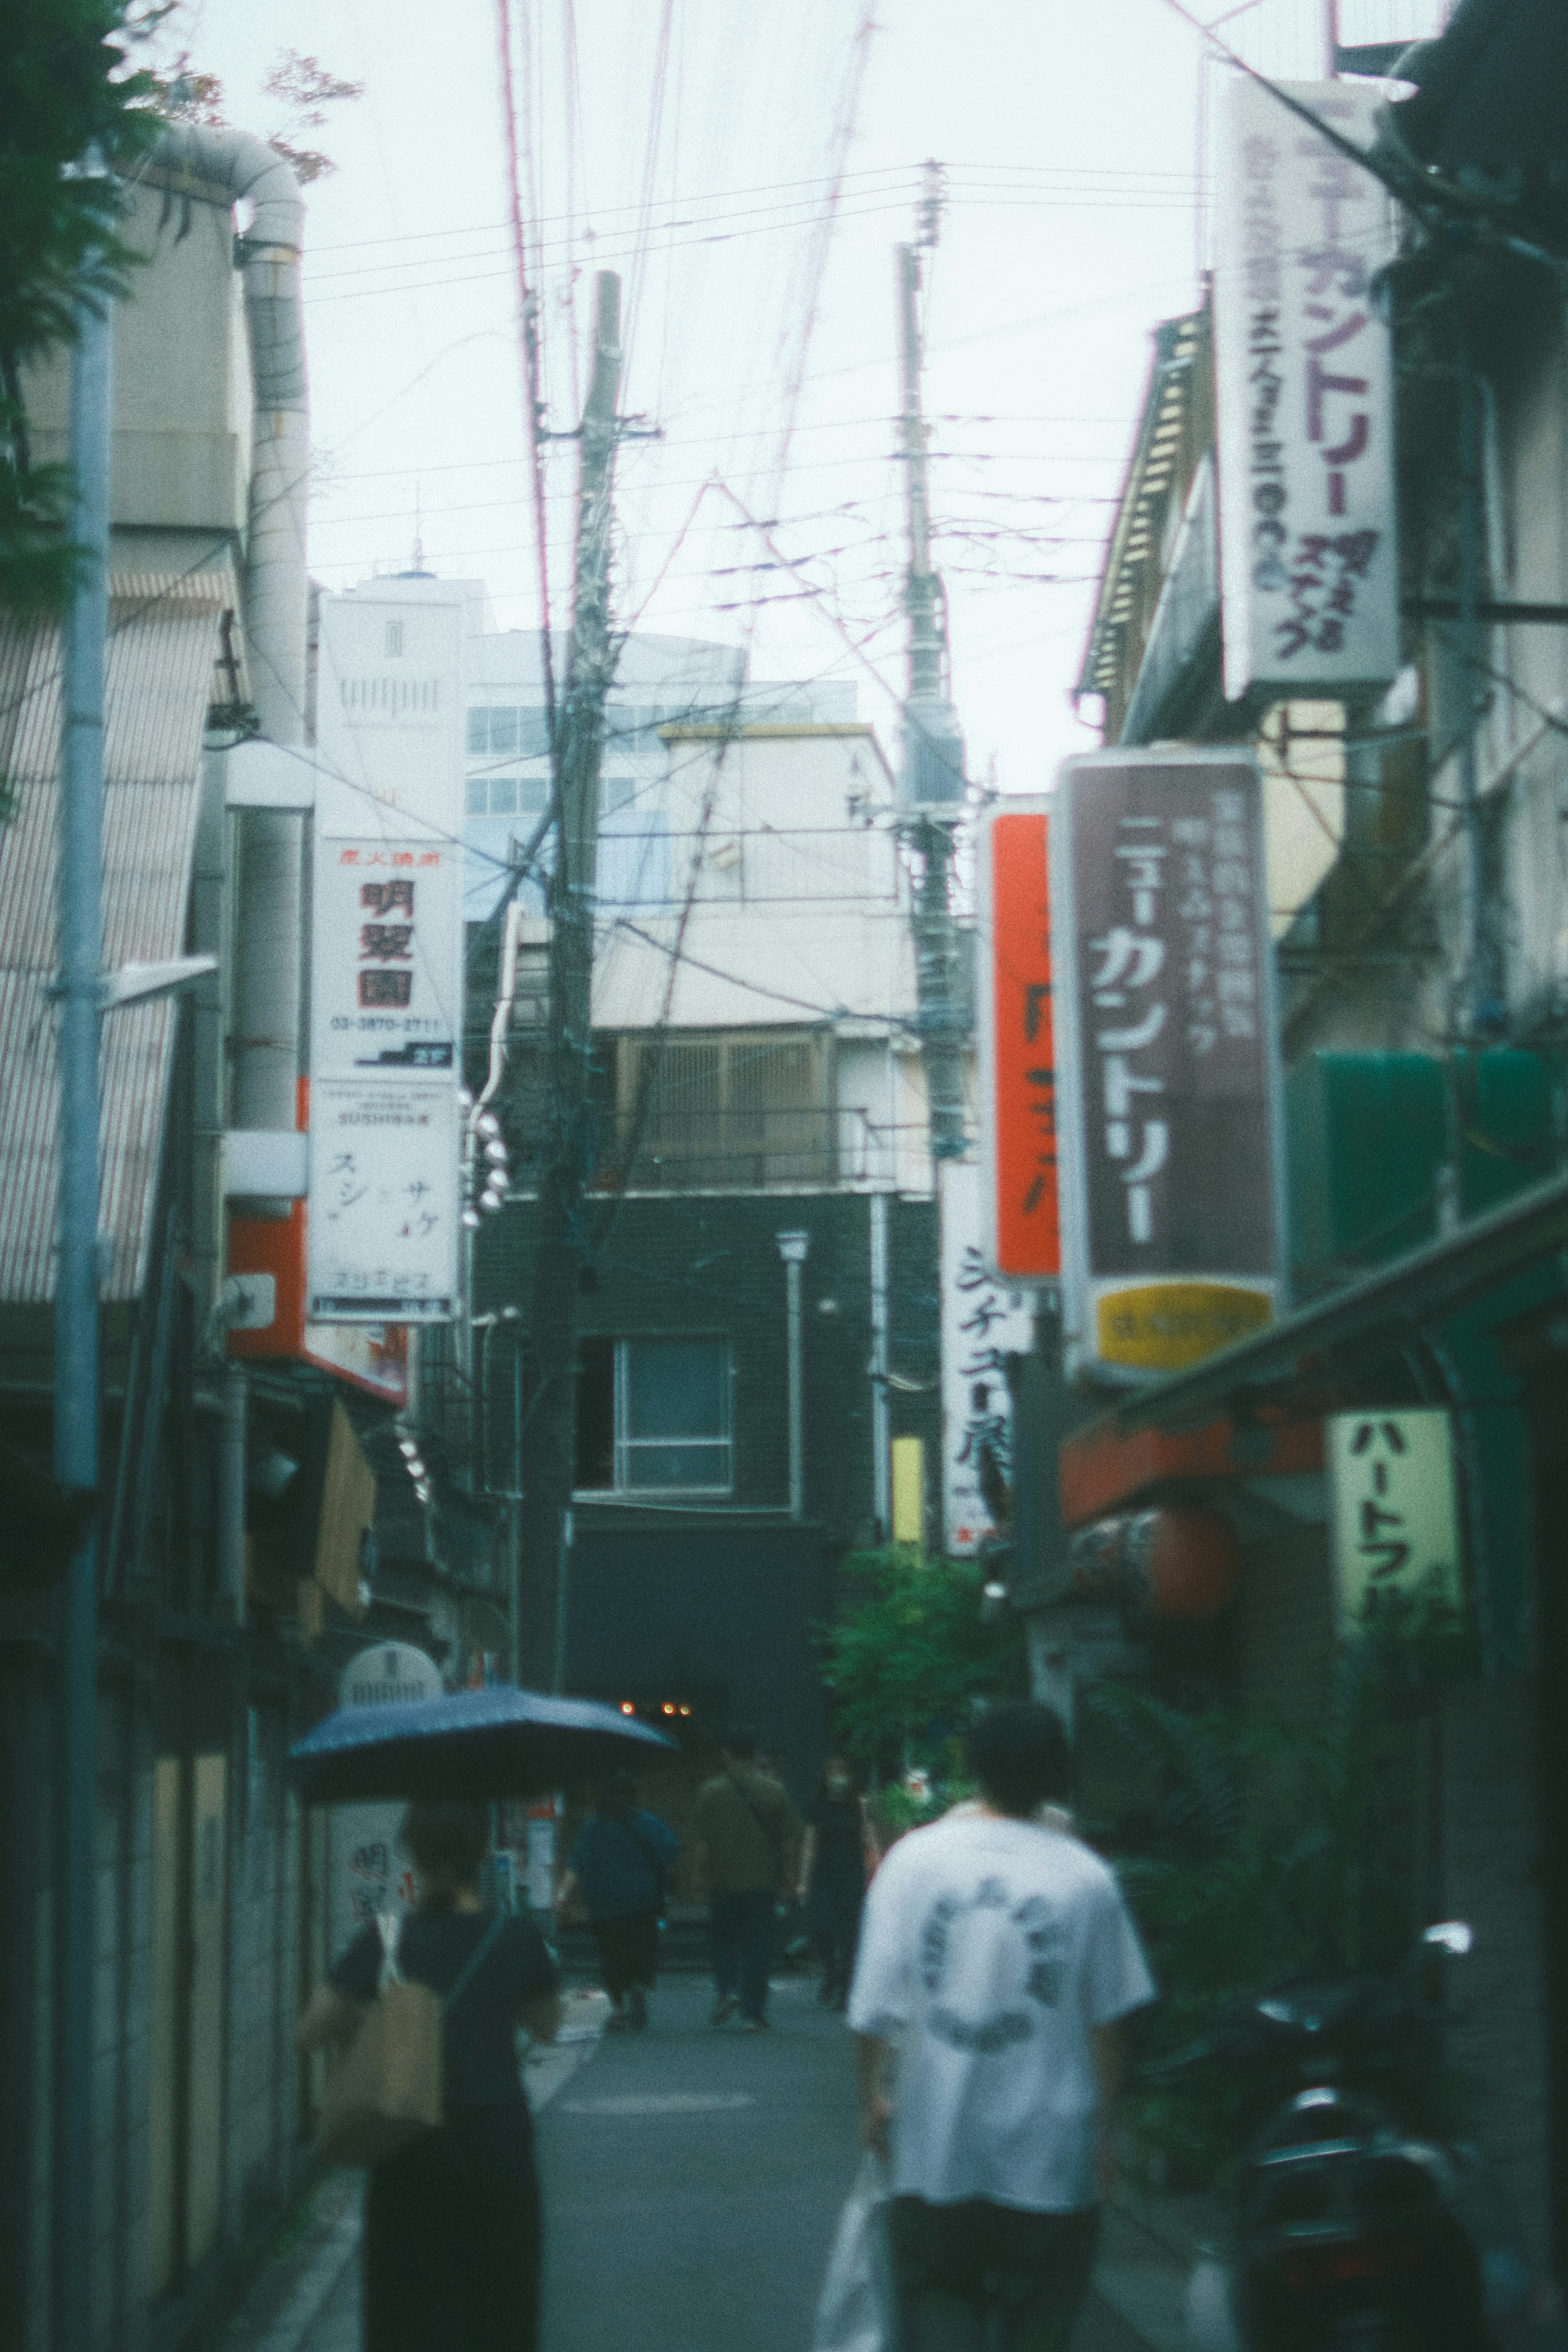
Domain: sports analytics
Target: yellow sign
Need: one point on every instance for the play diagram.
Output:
(1396, 1522)
(1164, 1327)
(909, 1490)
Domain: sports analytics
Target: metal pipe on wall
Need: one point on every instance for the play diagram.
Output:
(269, 929)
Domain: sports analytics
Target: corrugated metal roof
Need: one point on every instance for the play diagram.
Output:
(164, 636)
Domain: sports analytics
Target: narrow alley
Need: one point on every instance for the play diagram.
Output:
(692, 2180)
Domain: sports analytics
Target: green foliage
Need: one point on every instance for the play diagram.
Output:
(1270, 1854)
(68, 100)
(65, 90)
(913, 1654)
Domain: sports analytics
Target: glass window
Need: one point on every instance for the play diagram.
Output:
(532, 796)
(615, 794)
(595, 1414)
(672, 1415)
(478, 730)
(478, 798)
(503, 795)
(532, 734)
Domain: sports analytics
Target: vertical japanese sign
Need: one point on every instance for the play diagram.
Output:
(1396, 1524)
(1022, 1234)
(1303, 366)
(982, 1323)
(1167, 1086)
(386, 922)
(386, 963)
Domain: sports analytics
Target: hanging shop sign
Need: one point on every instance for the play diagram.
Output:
(386, 987)
(386, 958)
(1021, 1230)
(982, 1323)
(1304, 375)
(383, 1209)
(1396, 1518)
(1167, 1085)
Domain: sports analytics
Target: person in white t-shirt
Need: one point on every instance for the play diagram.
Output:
(996, 1964)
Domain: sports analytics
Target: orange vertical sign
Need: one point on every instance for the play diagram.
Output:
(1017, 1044)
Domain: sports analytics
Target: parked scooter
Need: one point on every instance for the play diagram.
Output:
(1355, 2224)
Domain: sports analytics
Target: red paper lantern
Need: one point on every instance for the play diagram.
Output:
(1176, 1562)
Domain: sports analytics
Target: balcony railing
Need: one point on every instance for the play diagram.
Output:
(740, 1151)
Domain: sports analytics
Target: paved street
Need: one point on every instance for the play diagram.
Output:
(693, 2179)
(691, 2183)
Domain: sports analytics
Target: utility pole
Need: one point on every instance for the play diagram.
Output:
(550, 1440)
(80, 988)
(930, 794)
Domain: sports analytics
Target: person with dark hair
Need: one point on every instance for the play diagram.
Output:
(451, 2245)
(833, 1875)
(746, 1837)
(619, 1863)
(998, 1956)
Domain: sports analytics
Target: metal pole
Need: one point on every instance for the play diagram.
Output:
(796, 1451)
(792, 1249)
(882, 1417)
(76, 1321)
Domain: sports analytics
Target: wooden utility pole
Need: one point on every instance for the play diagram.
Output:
(549, 1436)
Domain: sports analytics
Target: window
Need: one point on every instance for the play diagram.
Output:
(516, 732)
(507, 795)
(653, 1416)
(734, 1112)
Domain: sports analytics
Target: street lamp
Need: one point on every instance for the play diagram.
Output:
(794, 1247)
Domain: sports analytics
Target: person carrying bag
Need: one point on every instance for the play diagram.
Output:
(745, 1835)
(389, 2085)
(429, 2098)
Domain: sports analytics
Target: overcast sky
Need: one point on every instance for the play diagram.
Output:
(751, 195)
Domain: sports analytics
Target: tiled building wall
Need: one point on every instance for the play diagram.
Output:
(261, 2152)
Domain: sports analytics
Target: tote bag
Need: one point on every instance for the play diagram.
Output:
(387, 2087)
(856, 2310)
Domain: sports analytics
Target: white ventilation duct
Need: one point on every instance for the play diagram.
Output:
(271, 905)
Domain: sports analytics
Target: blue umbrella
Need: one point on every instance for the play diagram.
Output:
(470, 1744)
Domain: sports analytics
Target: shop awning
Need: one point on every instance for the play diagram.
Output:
(1311, 1348)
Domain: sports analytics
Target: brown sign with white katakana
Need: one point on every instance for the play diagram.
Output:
(1171, 1123)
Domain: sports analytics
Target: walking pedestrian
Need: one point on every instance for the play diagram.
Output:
(451, 2243)
(746, 1840)
(833, 1875)
(619, 1863)
(997, 1954)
